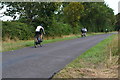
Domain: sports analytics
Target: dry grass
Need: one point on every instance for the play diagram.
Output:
(108, 68)
(8, 44)
(112, 53)
(15, 44)
(88, 73)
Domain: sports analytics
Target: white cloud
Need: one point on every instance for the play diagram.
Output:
(119, 7)
(113, 4)
(6, 18)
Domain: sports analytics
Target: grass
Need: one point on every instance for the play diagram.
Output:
(98, 62)
(13, 45)
(96, 54)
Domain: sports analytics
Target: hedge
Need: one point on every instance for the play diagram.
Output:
(13, 30)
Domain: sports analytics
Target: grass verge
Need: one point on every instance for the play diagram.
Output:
(13, 45)
(101, 61)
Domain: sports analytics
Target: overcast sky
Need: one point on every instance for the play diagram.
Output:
(111, 3)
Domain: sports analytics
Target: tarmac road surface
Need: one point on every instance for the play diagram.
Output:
(43, 62)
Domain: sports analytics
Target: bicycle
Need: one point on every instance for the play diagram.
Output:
(83, 34)
(37, 41)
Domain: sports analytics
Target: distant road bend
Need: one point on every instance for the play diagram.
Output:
(44, 61)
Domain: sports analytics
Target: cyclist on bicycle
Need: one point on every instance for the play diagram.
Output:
(83, 30)
(39, 32)
(106, 30)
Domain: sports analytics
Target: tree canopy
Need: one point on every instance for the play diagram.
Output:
(63, 17)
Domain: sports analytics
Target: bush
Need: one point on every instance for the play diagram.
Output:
(15, 30)
(59, 29)
(77, 29)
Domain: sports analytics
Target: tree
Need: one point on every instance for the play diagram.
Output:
(117, 22)
(33, 13)
(72, 13)
(97, 16)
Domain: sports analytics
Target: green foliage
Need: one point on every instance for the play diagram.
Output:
(117, 25)
(61, 18)
(73, 12)
(15, 30)
(58, 29)
(94, 55)
(97, 16)
(76, 30)
(32, 13)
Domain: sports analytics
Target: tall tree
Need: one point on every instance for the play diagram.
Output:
(32, 12)
(97, 16)
(72, 13)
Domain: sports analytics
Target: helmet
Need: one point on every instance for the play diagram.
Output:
(41, 24)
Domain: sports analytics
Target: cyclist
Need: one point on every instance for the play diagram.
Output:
(106, 30)
(39, 32)
(83, 30)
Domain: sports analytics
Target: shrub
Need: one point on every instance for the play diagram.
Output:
(59, 29)
(18, 30)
